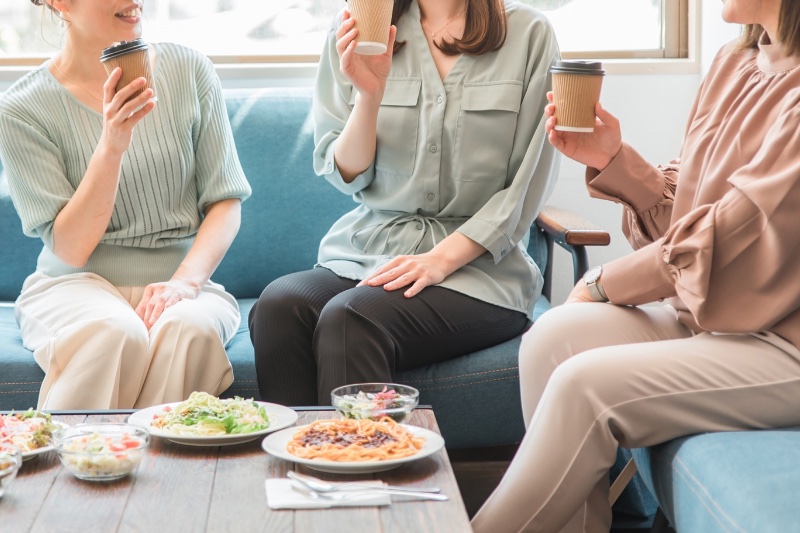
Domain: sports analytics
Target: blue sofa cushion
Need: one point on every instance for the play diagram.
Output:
(729, 481)
(21, 377)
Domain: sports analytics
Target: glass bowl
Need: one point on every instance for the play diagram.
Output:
(10, 461)
(101, 452)
(375, 400)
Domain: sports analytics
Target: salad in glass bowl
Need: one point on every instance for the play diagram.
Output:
(375, 400)
(101, 452)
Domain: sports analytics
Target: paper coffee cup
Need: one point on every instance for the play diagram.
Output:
(134, 59)
(373, 21)
(576, 90)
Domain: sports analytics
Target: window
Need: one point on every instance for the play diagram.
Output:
(241, 31)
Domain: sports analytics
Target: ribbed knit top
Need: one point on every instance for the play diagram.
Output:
(182, 158)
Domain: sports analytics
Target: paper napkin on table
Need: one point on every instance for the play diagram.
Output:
(281, 495)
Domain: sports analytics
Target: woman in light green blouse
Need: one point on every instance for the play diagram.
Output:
(441, 142)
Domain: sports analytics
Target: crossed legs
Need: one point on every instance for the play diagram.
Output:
(597, 376)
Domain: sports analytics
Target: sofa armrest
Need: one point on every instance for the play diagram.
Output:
(573, 233)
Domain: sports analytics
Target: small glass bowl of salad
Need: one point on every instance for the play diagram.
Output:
(10, 461)
(375, 400)
(103, 451)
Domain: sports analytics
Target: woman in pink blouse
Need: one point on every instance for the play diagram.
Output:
(716, 239)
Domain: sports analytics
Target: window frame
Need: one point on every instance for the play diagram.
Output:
(678, 55)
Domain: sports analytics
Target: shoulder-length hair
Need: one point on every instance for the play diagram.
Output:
(484, 30)
(788, 29)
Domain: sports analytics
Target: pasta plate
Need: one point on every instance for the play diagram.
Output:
(280, 417)
(275, 445)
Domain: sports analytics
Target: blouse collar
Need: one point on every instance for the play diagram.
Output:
(773, 58)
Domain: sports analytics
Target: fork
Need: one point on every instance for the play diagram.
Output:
(314, 495)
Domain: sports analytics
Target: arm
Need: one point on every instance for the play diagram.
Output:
(221, 188)
(646, 192)
(216, 233)
(733, 263)
(345, 138)
(72, 221)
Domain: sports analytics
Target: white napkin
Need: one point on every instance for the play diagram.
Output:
(281, 495)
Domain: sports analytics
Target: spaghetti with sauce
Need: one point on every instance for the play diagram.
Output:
(354, 440)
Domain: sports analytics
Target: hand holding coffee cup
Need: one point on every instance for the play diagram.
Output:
(576, 91)
(373, 20)
(133, 58)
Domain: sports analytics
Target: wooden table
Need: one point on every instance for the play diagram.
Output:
(216, 489)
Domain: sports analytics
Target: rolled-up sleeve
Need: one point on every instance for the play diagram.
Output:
(533, 166)
(331, 109)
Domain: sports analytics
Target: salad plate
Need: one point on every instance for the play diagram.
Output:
(20, 432)
(275, 445)
(30, 454)
(280, 417)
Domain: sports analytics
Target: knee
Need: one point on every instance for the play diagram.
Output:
(188, 323)
(125, 328)
(345, 321)
(547, 343)
(278, 300)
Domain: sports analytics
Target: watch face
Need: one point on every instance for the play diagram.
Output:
(592, 274)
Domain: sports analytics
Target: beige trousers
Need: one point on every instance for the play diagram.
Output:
(597, 376)
(97, 353)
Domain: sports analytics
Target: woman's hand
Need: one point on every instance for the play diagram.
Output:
(595, 149)
(419, 271)
(158, 297)
(119, 118)
(367, 73)
(580, 293)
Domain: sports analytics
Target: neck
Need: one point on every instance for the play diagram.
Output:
(441, 10)
(80, 58)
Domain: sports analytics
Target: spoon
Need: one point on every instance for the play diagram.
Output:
(318, 485)
(314, 495)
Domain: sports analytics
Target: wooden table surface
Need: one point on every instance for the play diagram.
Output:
(217, 489)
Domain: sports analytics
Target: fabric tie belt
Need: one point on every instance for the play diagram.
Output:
(425, 225)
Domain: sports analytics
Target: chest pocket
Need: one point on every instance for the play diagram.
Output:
(398, 126)
(487, 123)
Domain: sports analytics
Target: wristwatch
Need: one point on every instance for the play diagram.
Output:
(592, 281)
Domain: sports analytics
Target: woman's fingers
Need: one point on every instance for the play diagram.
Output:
(607, 118)
(550, 96)
(392, 34)
(110, 86)
(126, 92)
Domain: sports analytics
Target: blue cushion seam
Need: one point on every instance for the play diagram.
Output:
(468, 375)
(467, 384)
(703, 496)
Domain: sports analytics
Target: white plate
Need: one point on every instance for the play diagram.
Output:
(280, 417)
(275, 444)
(38, 451)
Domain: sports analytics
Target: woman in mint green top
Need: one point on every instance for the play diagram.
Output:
(136, 204)
(442, 145)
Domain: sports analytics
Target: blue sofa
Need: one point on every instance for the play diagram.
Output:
(475, 397)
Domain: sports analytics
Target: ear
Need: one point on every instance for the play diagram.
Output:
(60, 6)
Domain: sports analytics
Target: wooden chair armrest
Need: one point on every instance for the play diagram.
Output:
(570, 228)
(573, 233)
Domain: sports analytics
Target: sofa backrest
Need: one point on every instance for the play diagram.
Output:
(282, 222)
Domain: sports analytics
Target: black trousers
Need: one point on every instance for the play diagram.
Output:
(313, 331)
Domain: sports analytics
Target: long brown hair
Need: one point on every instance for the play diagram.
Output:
(485, 28)
(788, 29)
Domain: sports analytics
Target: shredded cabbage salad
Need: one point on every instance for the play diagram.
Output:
(28, 430)
(205, 415)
